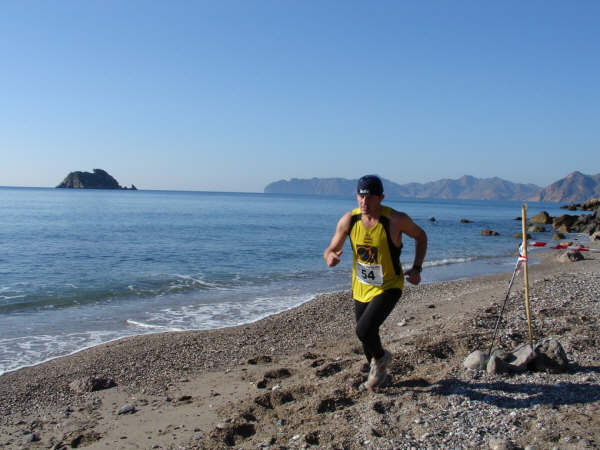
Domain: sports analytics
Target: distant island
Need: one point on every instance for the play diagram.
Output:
(576, 187)
(99, 179)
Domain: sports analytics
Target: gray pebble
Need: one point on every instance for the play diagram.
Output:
(126, 409)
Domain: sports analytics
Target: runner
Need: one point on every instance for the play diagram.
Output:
(375, 233)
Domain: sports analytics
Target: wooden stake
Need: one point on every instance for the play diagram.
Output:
(525, 275)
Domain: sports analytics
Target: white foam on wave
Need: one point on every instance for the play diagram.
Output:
(447, 261)
(10, 297)
(11, 292)
(17, 353)
(224, 314)
(199, 282)
(195, 280)
(176, 283)
(151, 326)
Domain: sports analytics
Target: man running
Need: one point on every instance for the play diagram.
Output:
(375, 233)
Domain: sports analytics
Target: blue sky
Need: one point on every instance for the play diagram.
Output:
(232, 95)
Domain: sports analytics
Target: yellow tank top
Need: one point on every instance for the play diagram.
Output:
(376, 260)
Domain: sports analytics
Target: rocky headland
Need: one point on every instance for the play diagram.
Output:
(99, 179)
(466, 187)
(575, 187)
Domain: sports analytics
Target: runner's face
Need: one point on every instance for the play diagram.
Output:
(369, 204)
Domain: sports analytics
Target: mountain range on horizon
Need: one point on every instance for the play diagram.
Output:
(575, 187)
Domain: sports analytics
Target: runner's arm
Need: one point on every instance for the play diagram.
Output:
(404, 224)
(332, 254)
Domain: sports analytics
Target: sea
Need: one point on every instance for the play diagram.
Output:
(79, 268)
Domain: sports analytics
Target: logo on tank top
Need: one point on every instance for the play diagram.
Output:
(367, 253)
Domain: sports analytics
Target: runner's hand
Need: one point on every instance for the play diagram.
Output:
(413, 276)
(333, 258)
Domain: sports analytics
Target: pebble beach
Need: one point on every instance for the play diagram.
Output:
(290, 380)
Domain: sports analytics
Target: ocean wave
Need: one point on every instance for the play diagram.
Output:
(10, 297)
(446, 261)
(203, 316)
(72, 296)
(197, 282)
(36, 302)
(26, 351)
(149, 326)
(19, 352)
(465, 259)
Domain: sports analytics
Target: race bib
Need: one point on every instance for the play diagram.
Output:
(371, 274)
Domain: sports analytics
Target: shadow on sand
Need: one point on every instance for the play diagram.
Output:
(510, 395)
(522, 395)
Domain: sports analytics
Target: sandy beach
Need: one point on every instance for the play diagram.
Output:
(290, 380)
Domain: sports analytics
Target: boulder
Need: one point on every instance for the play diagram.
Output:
(489, 233)
(476, 360)
(432, 219)
(595, 236)
(591, 204)
(496, 366)
(592, 223)
(570, 256)
(563, 229)
(465, 221)
(551, 357)
(584, 223)
(558, 236)
(502, 354)
(574, 256)
(542, 218)
(566, 219)
(521, 357)
(536, 229)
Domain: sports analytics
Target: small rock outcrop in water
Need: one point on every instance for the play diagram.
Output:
(489, 233)
(99, 179)
(542, 218)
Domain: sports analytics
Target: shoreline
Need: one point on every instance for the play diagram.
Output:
(543, 256)
(214, 367)
(490, 270)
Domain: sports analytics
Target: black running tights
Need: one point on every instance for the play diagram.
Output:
(370, 316)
